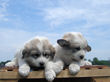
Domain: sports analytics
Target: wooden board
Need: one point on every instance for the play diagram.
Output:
(8, 80)
(93, 72)
(102, 79)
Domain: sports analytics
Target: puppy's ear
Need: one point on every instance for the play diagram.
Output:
(53, 53)
(63, 43)
(88, 48)
(24, 52)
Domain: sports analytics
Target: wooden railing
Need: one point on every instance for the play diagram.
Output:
(86, 74)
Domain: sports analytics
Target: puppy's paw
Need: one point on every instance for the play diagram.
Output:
(74, 69)
(10, 64)
(50, 75)
(24, 71)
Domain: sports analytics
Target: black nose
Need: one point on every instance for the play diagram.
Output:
(81, 57)
(41, 64)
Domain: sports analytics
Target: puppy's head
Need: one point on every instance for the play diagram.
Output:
(75, 45)
(38, 52)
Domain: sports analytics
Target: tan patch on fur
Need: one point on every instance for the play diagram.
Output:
(75, 39)
(32, 44)
(66, 36)
(45, 44)
(80, 35)
(48, 45)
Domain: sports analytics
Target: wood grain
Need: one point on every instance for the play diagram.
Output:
(64, 74)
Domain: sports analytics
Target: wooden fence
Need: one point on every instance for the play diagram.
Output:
(86, 74)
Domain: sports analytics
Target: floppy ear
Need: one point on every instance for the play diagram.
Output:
(53, 53)
(88, 48)
(24, 52)
(63, 43)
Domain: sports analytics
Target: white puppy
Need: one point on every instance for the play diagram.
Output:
(35, 53)
(70, 51)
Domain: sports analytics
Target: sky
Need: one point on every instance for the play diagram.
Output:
(20, 20)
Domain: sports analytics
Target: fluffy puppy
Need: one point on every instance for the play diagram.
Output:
(35, 53)
(70, 52)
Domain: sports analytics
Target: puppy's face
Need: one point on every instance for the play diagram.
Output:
(75, 45)
(38, 52)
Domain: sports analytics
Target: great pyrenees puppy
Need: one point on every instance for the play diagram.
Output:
(35, 53)
(70, 51)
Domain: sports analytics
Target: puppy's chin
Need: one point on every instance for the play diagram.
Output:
(77, 59)
(37, 68)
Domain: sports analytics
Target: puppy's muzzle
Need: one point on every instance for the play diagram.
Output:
(41, 64)
(81, 57)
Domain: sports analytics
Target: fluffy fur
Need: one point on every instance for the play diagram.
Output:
(35, 53)
(70, 52)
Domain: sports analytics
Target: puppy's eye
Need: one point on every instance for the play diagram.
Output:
(46, 55)
(35, 55)
(78, 48)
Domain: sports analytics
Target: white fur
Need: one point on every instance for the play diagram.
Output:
(24, 67)
(74, 68)
(65, 57)
(53, 68)
(41, 59)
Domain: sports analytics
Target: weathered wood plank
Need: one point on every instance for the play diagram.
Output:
(101, 79)
(64, 74)
(86, 73)
(8, 80)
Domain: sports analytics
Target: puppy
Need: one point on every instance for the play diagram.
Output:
(70, 52)
(85, 63)
(35, 53)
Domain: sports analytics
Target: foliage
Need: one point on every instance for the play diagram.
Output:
(96, 61)
(2, 64)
